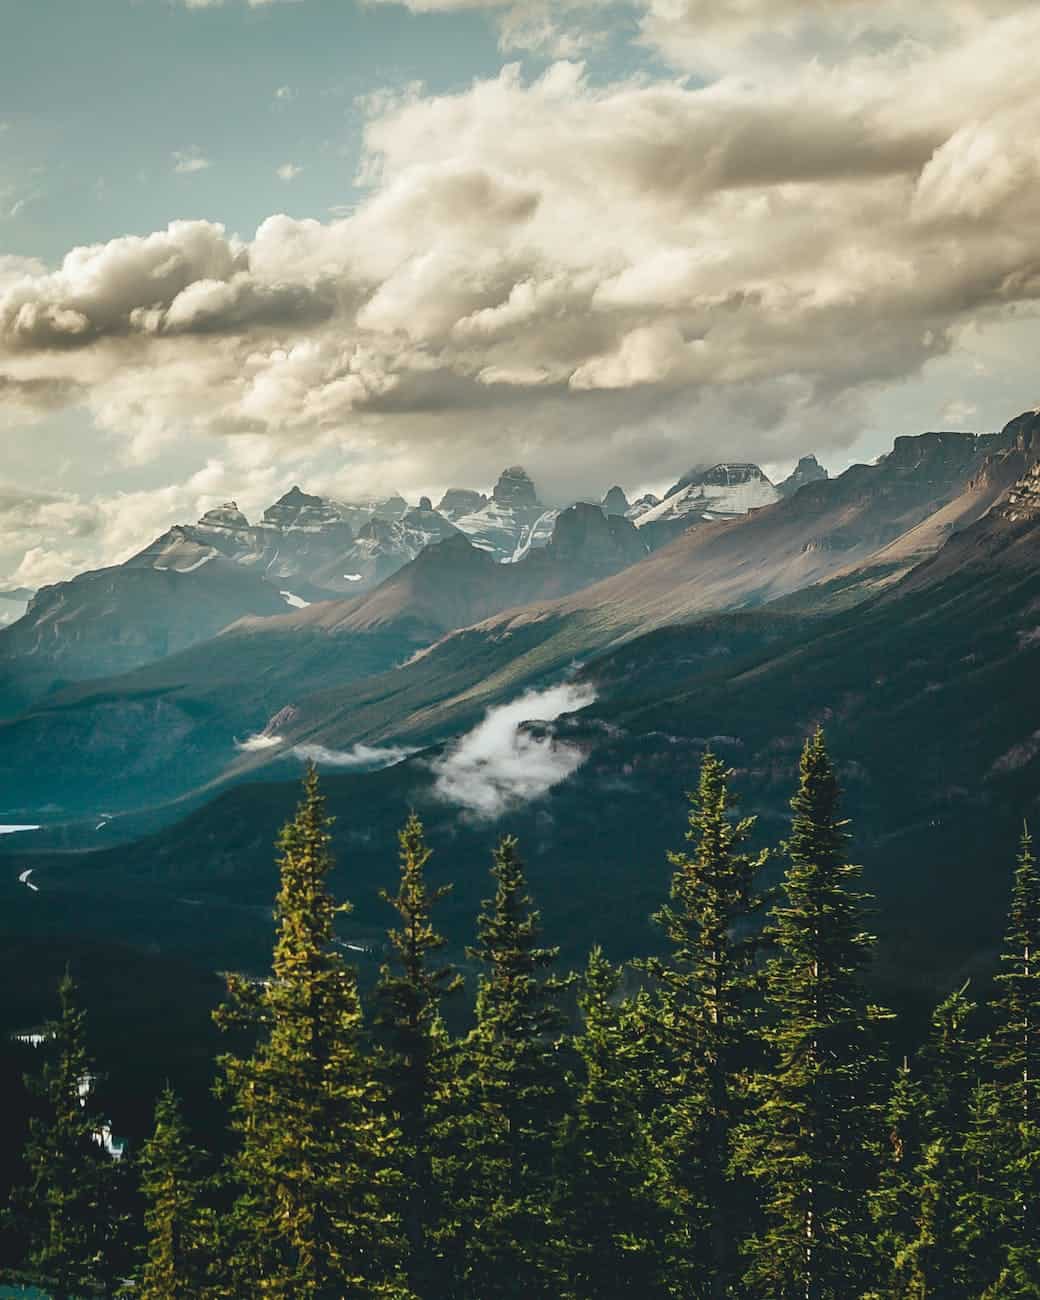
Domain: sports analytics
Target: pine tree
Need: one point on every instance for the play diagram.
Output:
(1007, 1210)
(932, 1260)
(615, 1224)
(416, 1049)
(707, 1030)
(511, 1098)
(813, 1142)
(180, 1230)
(1016, 1039)
(894, 1204)
(311, 1219)
(70, 1200)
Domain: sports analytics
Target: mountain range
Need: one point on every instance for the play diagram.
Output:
(896, 603)
(195, 580)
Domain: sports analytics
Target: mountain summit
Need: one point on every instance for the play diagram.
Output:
(515, 488)
(808, 470)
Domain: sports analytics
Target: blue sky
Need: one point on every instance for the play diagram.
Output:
(398, 245)
(99, 97)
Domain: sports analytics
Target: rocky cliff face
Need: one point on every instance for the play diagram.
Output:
(615, 502)
(385, 545)
(457, 502)
(724, 491)
(808, 470)
(303, 536)
(515, 488)
(513, 522)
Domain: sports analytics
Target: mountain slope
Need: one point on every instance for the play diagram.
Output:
(844, 529)
(928, 695)
(162, 730)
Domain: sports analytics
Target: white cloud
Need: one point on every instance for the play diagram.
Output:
(288, 171)
(190, 161)
(359, 757)
(566, 272)
(259, 743)
(500, 765)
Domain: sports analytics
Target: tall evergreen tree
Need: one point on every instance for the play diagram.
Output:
(614, 1220)
(932, 1260)
(311, 1220)
(708, 990)
(70, 1200)
(416, 1049)
(511, 1095)
(1012, 1223)
(813, 1142)
(1016, 1039)
(179, 1255)
(895, 1201)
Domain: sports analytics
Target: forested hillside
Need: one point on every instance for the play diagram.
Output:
(725, 1118)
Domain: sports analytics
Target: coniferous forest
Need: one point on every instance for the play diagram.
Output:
(726, 1119)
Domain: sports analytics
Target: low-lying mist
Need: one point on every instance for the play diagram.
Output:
(499, 765)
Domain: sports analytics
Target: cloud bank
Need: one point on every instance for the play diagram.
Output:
(572, 273)
(499, 765)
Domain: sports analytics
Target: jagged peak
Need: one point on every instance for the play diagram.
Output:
(615, 502)
(227, 515)
(515, 487)
(726, 473)
(297, 497)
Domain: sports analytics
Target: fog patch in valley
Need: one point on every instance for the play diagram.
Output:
(360, 757)
(500, 764)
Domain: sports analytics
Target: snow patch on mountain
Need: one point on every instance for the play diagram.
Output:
(724, 491)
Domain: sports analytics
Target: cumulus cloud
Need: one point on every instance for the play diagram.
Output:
(567, 272)
(47, 537)
(500, 764)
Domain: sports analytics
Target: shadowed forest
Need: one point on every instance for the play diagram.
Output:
(725, 1119)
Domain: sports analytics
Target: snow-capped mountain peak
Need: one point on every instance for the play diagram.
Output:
(723, 491)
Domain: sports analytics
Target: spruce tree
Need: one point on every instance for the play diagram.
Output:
(933, 1260)
(614, 1219)
(69, 1203)
(180, 1230)
(311, 1218)
(1016, 1038)
(813, 1141)
(416, 1050)
(707, 1028)
(895, 1202)
(1010, 1207)
(511, 1097)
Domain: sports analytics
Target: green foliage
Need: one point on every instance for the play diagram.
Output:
(928, 1234)
(721, 1133)
(708, 995)
(313, 1162)
(813, 1142)
(1004, 1199)
(614, 1221)
(415, 1064)
(179, 1257)
(511, 1098)
(69, 1207)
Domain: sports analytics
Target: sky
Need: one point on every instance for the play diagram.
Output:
(401, 244)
